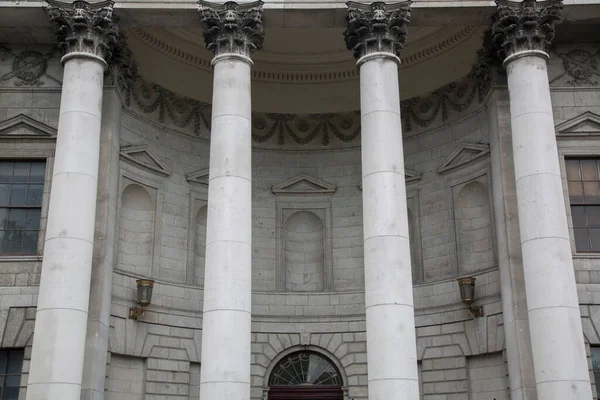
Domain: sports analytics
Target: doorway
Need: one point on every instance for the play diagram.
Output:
(305, 393)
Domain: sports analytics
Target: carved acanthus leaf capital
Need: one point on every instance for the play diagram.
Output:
(487, 71)
(523, 26)
(231, 27)
(84, 27)
(377, 27)
(123, 70)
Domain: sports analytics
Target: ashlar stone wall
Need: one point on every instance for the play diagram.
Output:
(161, 224)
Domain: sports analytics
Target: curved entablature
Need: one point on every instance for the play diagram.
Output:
(306, 131)
(304, 70)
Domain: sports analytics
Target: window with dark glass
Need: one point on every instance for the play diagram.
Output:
(21, 190)
(11, 362)
(596, 368)
(304, 368)
(584, 194)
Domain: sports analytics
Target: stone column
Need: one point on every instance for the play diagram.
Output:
(120, 78)
(86, 34)
(512, 282)
(522, 31)
(232, 32)
(376, 34)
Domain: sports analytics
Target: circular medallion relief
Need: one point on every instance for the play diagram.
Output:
(29, 66)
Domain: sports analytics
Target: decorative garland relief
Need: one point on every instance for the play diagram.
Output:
(30, 68)
(301, 129)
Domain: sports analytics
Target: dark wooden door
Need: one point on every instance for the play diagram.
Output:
(306, 393)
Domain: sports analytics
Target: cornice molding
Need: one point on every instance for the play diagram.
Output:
(440, 47)
(263, 74)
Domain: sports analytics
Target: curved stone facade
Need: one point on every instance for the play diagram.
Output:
(308, 270)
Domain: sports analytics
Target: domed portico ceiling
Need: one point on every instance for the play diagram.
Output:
(302, 70)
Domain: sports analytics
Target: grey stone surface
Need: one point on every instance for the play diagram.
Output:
(459, 356)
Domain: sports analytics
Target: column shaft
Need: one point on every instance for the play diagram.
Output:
(60, 326)
(225, 372)
(391, 341)
(514, 304)
(560, 363)
(105, 241)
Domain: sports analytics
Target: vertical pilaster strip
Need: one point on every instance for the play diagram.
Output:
(94, 372)
(119, 79)
(232, 32)
(514, 303)
(522, 32)
(376, 34)
(86, 34)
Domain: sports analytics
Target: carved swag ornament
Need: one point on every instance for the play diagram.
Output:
(377, 27)
(231, 27)
(84, 27)
(523, 26)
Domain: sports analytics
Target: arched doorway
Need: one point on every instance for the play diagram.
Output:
(305, 375)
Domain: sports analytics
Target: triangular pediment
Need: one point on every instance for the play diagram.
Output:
(23, 126)
(586, 124)
(411, 176)
(464, 154)
(303, 185)
(145, 157)
(200, 177)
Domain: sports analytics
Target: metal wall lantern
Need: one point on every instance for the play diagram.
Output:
(144, 297)
(467, 294)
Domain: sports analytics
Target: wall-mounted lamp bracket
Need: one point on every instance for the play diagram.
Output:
(144, 297)
(467, 294)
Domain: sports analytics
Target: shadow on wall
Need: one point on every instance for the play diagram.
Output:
(200, 246)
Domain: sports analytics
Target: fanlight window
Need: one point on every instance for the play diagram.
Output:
(305, 368)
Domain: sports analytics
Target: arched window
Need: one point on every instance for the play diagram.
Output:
(303, 375)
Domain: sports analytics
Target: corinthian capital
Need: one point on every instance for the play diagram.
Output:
(231, 27)
(85, 28)
(377, 27)
(526, 25)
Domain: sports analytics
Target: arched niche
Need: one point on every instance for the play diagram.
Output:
(304, 252)
(473, 224)
(136, 231)
(200, 245)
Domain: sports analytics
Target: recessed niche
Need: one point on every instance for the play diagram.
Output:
(304, 253)
(473, 224)
(136, 230)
